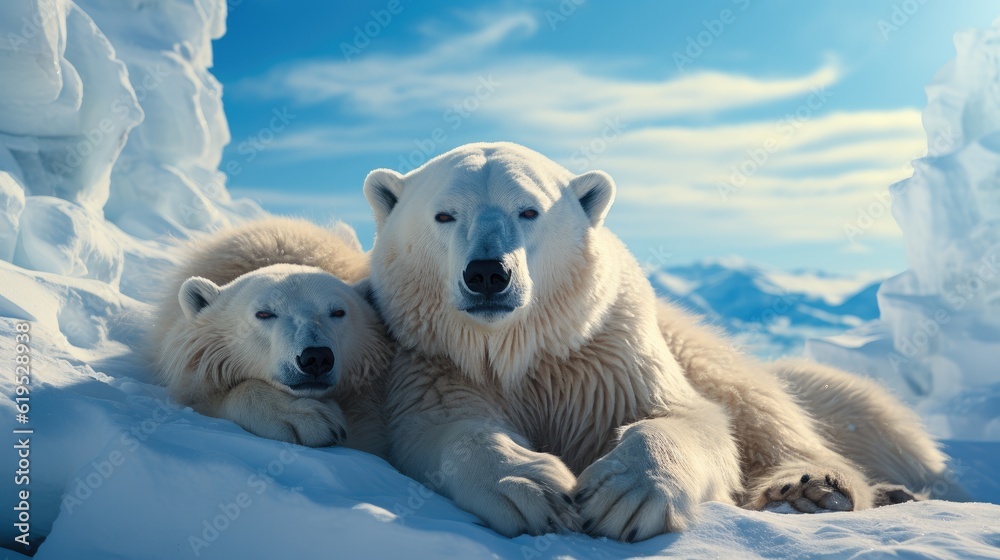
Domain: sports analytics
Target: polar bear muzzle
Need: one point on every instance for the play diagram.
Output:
(489, 282)
(486, 277)
(315, 360)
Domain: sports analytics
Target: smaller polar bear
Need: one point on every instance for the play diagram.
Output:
(261, 328)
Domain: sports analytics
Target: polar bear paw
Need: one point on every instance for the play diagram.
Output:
(303, 421)
(810, 492)
(530, 495)
(630, 504)
(532, 505)
(890, 494)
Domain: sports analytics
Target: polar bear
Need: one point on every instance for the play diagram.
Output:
(261, 327)
(541, 386)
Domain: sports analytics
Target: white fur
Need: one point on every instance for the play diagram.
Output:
(215, 354)
(864, 422)
(587, 405)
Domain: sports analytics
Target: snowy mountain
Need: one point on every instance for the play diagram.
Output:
(111, 130)
(771, 312)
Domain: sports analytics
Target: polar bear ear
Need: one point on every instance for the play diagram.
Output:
(196, 294)
(365, 289)
(383, 188)
(596, 191)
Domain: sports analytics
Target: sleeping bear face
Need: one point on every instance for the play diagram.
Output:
(486, 255)
(299, 328)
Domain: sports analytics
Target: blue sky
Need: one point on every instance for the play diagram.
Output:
(732, 127)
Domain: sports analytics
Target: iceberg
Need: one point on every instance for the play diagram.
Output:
(111, 125)
(937, 341)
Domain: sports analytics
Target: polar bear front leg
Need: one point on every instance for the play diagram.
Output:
(661, 469)
(263, 410)
(489, 470)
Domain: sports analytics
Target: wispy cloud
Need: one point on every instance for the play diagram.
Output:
(683, 136)
(811, 184)
(381, 85)
(534, 91)
(349, 208)
(342, 140)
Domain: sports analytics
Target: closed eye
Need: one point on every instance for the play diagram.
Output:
(264, 315)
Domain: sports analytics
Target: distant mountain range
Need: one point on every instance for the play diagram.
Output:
(771, 312)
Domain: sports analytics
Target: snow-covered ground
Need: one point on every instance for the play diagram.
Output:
(111, 128)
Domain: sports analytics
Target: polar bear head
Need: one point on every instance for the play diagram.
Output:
(479, 245)
(297, 327)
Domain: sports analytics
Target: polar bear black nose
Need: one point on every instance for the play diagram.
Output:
(315, 360)
(486, 277)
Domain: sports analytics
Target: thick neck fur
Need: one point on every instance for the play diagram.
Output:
(574, 407)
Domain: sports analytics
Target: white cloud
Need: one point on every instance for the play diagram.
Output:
(320, 142)
(532, 91)
(820, 166)
(350, 208)
(832, 170)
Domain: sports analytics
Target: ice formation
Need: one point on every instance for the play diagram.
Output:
(110, 124)
(938, 338)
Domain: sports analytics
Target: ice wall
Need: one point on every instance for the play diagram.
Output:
(938, 340)
(111, 132)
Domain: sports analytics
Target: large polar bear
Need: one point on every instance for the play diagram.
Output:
(541, 385)
(261, 328)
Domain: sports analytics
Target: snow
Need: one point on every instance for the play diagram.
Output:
(111, 131)
(771, 313)
(938, 337)
(11, 206)
(834, 290)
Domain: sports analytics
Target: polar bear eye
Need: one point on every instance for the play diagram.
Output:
(338, 313)
(529, 214)
(264, 315)
(443, 218)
